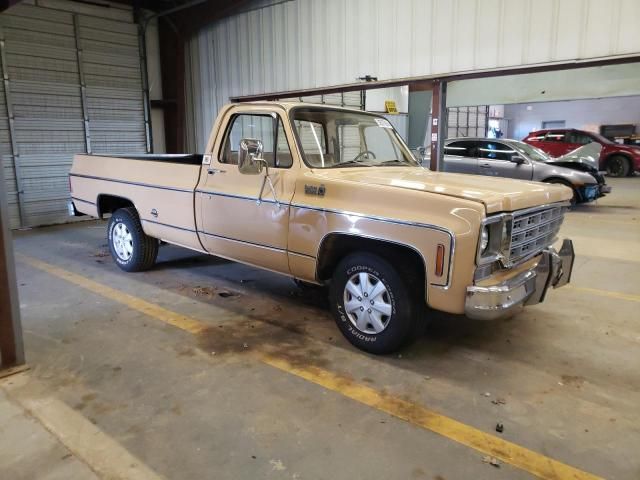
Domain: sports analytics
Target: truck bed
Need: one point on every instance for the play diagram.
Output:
(161, 187)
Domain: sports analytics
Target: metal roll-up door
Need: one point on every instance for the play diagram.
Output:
(74, 87)
(111, 63)
(6, 159)
(467, 121)
(353, 99)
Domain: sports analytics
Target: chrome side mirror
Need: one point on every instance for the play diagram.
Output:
(250, 161)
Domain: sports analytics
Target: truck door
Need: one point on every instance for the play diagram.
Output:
(233, 221)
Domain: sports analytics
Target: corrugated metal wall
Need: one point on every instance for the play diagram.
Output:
(73, 72)
(315, 43)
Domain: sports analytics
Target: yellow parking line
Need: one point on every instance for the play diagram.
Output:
(511, 453)
(607, 293)
(167, 316)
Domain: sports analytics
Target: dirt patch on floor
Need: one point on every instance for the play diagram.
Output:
(259, 336)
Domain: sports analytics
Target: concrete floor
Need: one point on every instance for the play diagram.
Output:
(567, 369)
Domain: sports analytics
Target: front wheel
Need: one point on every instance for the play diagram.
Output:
(618, 166)
(130, 247)
(373, 306)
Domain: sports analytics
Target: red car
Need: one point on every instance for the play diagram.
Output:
(618, 160)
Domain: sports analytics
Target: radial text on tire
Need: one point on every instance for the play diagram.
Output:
(376, 309)
(130, 247)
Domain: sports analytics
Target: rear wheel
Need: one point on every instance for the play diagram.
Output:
(618, 166)
(374, 307)
(130, 247)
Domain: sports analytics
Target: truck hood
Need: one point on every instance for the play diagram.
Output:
(497, 194)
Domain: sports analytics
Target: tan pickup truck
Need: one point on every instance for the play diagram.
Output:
(333, 196)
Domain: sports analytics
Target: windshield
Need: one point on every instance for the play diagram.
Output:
(600, 139)
(339, 138)
(534, 153)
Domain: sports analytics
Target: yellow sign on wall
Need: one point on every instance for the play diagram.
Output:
(390, 106)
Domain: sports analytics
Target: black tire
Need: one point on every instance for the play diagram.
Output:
(576, 198)
(401, 297)
(618, 166)
(144, 249)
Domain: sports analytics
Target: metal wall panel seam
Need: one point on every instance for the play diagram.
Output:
(83, 85)
(12, 132)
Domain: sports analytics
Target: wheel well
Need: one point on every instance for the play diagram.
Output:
(111, 203)
(559, 180)
(624, 155)
(336, 246)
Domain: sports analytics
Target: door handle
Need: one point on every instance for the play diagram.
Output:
(213, 171)
(485, 165)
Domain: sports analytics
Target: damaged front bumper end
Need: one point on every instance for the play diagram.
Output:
(527, 288)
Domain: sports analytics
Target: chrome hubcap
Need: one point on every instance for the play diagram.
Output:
(366, 303)
(122, 241)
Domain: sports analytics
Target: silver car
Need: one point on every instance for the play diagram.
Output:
(515, 159)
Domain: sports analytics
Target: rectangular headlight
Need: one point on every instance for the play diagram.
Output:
(498, 230)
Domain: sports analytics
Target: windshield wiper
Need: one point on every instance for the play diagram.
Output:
(352, 163)
(389, 162)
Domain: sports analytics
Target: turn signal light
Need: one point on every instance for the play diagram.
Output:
(440, 260)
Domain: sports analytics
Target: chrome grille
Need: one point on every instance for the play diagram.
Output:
(533, 231)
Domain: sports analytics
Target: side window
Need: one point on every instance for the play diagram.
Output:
(535, 138)
(579, 138)
(283, 151)
(554, 137)
(461, 149)
(495, 151)
(260, 127)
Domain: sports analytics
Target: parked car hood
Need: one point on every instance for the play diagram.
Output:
(497, 194)
(587, 154)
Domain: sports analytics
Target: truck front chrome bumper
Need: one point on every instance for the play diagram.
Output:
(528, 288)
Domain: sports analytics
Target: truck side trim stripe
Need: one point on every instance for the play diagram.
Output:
(76, 199)
(228, 238)
(374, 217)
(277, 249)
(240, 197)
(452, 243)
(170, 226)
(138, 184)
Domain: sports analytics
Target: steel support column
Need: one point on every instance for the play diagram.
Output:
(83, 84)
(438, 122)
(12, 132)
(11, 344)
(142, 47)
